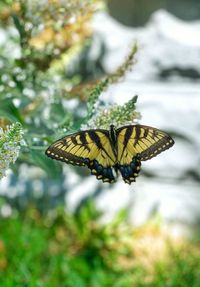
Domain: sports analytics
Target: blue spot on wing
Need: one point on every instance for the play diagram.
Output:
(103, 173)
(130, 171)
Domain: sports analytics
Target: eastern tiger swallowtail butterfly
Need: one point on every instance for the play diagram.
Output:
(105, 151)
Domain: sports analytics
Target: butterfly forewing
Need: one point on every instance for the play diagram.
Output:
(141, 140)
(151, 141)
(91, 148)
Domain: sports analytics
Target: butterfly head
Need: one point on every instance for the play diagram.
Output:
(112, 129)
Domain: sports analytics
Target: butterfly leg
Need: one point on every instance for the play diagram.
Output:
(130, 171)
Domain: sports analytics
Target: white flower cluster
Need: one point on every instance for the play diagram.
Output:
(10, 139)
(104, 116)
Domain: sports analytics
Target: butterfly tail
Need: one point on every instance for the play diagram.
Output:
(131, 171)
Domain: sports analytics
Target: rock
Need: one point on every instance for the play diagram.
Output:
(137, 13)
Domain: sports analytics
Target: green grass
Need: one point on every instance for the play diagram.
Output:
(76, 251)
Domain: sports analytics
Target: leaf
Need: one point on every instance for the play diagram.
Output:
(38, 158)
(19, 27)
(9, 111)
(57, 112)
(120, 217)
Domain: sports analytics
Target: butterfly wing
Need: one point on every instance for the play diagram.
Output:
(137, 143)
(90, 148)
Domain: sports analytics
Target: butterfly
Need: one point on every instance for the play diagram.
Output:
(109, 152)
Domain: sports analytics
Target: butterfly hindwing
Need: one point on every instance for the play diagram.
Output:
(137, 143)
(130, 171)
(91, 148)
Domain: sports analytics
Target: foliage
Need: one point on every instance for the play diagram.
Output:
(101, 116)
(77, 250)
(38, 88)
(10, 140)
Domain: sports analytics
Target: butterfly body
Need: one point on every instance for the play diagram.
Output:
(113, 139)
(105, 152)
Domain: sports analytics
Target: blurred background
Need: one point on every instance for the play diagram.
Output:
(59, 226)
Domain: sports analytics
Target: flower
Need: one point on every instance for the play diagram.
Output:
(10, 140)
(104, 116)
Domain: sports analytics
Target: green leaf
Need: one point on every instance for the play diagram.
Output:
(120, 217)
(52, 168)
(94, 95)
(57, 112)
(9, 111)
(20, 28)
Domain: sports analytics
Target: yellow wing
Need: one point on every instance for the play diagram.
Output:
(91, 148)
(141, 140)
(137, 143)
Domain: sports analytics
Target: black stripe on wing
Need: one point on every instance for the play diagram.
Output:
(127, 135)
